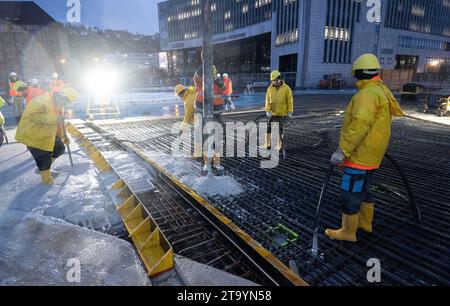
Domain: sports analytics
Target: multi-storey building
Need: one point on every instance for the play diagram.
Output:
(32, 43)
(308, 37)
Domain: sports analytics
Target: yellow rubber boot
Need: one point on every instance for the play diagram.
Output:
(279, 143)
(348, 230)
(268, 141)
(366, 216)
(47, 178)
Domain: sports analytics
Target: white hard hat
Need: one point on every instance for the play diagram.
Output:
(218, 75)
(13, 74)
(225, 75)
(55, 75)
(34, 82)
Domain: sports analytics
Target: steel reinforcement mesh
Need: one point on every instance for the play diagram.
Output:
(288, 194)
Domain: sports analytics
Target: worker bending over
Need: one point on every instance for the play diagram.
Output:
(41, 129)
(218, 109)
(188, 96)
(363, 143)
(279, 106)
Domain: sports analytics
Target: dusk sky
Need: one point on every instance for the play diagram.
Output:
(136, 16)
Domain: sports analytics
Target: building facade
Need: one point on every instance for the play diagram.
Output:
(311, 38)
(32, 43)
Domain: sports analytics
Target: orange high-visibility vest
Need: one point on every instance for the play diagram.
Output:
(12, 92)
(228, 87)
(32, 93)
(218, 92)
(56, 86)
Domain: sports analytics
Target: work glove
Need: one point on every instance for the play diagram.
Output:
(289, 115)
(269, 115)
(338, 158)
(66, 141)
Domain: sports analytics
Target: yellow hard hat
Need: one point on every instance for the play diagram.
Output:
(274, 75)
(69, 93)
(179, 89)
(18, 85)
(366, 62)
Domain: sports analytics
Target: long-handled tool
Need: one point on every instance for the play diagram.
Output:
(4, 133)
(67, 146)
(315, 240)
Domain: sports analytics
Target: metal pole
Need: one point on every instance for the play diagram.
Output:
(4, 133)
(315, 242)
(207, 59)
(68, 146)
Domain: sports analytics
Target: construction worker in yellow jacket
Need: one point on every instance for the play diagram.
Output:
(363, 143)
(279, 107)
(188, 96)
(41, 129)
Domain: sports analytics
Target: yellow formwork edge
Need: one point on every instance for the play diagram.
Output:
(91, 150)
(287, 272)
(157, 254)
(86, 143)
(153, 247)
(127, 206)
(125, 193)
(135, 218)
(118, 185)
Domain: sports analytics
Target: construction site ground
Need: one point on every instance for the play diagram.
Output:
(255, 199)
(47, 230)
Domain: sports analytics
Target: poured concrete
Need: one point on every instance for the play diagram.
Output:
(40, 250)
(195, 274)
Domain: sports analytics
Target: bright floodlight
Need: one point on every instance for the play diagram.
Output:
(101, 81)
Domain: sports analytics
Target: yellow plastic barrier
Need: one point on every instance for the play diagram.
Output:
(153, 247)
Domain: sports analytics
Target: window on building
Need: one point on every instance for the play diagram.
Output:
(341, 16)
(425, 16)
(406, 62)
(287, 21)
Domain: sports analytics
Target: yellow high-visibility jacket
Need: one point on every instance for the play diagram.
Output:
(366, 131)
(279, 100)
(189, 106)
(2, 119)
(38, 126)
